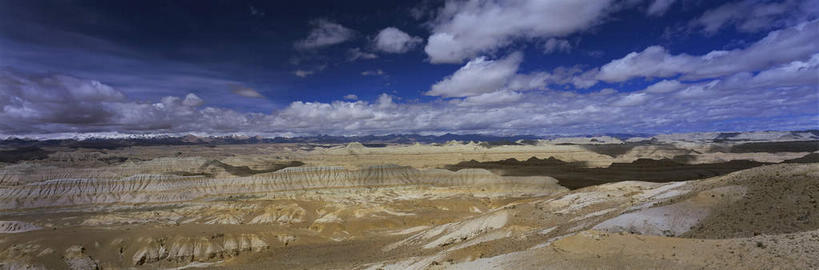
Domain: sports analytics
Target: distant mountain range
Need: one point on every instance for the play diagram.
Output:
(376, 141)
(102, 142)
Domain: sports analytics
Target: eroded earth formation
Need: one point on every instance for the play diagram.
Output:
(685, 201)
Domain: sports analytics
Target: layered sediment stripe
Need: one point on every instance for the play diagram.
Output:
(24, 173)
(169, 188)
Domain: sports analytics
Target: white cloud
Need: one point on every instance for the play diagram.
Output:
(325, 33)
(464, 29)
(384, 101)
(46, 103)
(664, 86)
(777, 47)
(38, 103)
(393, 40)
(351, 97)
(559, 76)
(247, 92)
(477, 77)
(492, 98)
(532, 81)
(339, 117)
(556, 45)
(27, 99)
(632, 99)
(791, 74)
(753, 16)
(481, 76)
(303, 73)
(192, 100)
(306, 72)
(654, 61)
(607, 91)
(698, 91)
(794, 74)
(659, 7)
(586, 79)
(787, 89)
(356, 53)
(377, 72)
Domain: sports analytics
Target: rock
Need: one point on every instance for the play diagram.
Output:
(76, 259)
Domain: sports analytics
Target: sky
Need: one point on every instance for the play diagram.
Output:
(302, 68)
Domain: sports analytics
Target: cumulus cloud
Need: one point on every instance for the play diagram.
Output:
(247, 92)
(393, 40)
(463, 29)
(710, 105)
(33, 103)
(27, 99)
(771, 79)
(47, 103)
(478, 76)
(482, 76)
(325, 33)
(173, 114)
(777, 47)
(384, 101)
(716, 104)
(341, 117)
(192, 100)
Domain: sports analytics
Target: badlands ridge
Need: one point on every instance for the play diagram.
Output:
(689, 201)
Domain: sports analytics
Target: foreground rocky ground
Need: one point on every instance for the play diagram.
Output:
(453, 206)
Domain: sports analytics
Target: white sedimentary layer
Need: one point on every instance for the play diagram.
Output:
(166, 188)
(189, 249)
(16, 227)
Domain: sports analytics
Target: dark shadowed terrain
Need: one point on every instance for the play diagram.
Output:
(576, 175)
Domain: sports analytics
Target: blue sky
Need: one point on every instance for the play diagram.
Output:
(379, 67)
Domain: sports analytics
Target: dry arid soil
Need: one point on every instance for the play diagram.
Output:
(667, 202)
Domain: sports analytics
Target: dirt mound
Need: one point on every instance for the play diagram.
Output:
(779, 199)
(598, 250)
(809, 158)
(246, 170)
